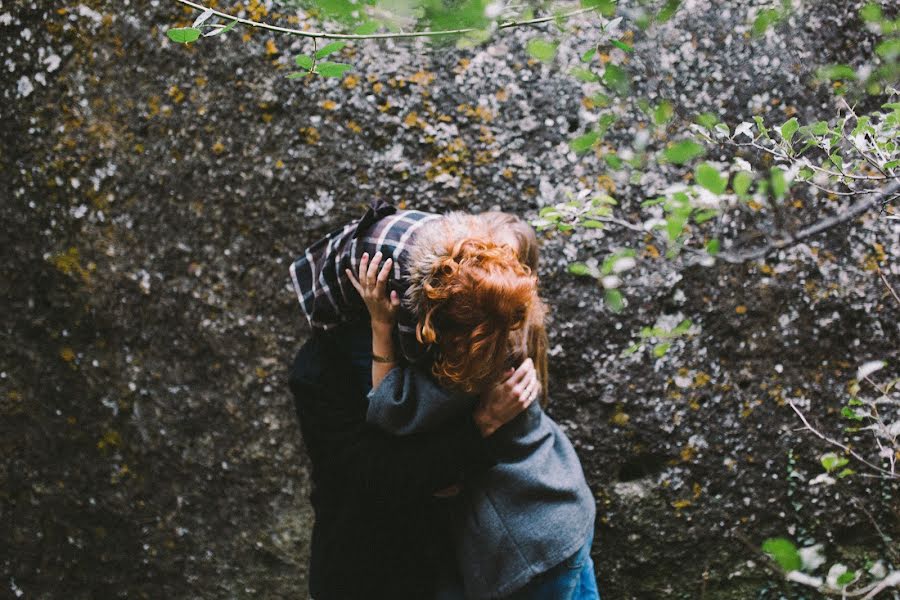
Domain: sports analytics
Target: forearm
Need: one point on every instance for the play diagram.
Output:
(384, 357)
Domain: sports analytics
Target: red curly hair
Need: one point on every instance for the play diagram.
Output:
(482, 313)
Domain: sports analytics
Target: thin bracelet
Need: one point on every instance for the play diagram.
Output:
(383, 359)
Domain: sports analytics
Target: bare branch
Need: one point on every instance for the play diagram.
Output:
(377, 36)
(843, 447)
(854, 211)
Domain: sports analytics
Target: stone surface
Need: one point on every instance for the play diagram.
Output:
(153, 196)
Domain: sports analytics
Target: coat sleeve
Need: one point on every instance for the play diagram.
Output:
(409, 400)
(352, 456)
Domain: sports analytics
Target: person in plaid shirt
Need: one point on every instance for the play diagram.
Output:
(328, 298)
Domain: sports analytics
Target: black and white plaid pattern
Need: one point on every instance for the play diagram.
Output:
(327, 296)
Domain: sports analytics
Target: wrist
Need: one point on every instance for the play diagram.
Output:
(485, 423)
(382, 327)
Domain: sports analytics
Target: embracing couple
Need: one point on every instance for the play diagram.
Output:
(436, 474)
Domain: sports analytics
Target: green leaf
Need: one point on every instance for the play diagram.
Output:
(587, 56)
(616, 79)
(888, 49)
(614, 300)
(707, 120)
(329, 49)
(675, 225)
(579, 269)
(870, 13)
(765, 19)
(832, 72)
(367, 28)
(846, 473)
(593, 224)
(298, 74)
(779, 183)
(667, 11)
(304, 62)
(712, 247)
(831, 461)
(741, 183)
(330, 69)
(622, 46)
(659, 350)
(229, 27)
(846, 578)
(583, 75)
(183, 35)
(663, 113)
(584, 142)
(849, 413)
(708, 177)
(761, 126)
(703, 216)
(541, 49)
(789, 129)
(683, 151)
(784, 552)
(819, 128)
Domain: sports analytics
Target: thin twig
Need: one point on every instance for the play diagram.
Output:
(377, 36)
(891, 289)
(840, 445)
(854, 211)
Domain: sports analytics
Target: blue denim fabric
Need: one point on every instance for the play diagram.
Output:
(572, 579)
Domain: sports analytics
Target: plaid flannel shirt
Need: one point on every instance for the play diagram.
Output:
(327, 296)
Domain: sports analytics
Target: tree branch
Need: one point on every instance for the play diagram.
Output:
(376, 36)
(854, 211)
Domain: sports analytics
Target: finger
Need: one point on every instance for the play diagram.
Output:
(373, 270)
(526, 386)
(363, 267)
(395, 299)
(383, 274)
(354, 281)
(521, 372)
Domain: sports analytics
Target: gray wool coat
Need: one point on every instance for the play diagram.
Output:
(526, 514)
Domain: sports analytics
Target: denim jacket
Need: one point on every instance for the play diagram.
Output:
(526, 514)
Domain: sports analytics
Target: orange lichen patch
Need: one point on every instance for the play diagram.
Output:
(620, 419)
(67, 354)
(486, 135)
(697, 489)
(604, 58)
(484, 157)
(261, 373)
(422, 78)
(354, 127)
(588, 103)
(766, 269)
(218, 147)
(69, 262)
(396, 82)
(267, 117)
(384, 107)
(681, 504)
(271, 48)
(377, 87)
(701, 379)
(688, 453)
(740, 309)
(651, 251)
(445, 118)
(450, 160)
(507, 173)
(328, 104)
(247, 35)
(110, 438)
(413, 120)
(480, 112)
(256, 10)
(176, 94)
(462, 65)
(350, 81)
(501, 95)
(606, 183)
(279, 164)
(310, 135)
(797, 203)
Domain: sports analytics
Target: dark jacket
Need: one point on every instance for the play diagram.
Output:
(378, 531)
(520, 518)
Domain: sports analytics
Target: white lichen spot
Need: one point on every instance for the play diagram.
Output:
(25, 87)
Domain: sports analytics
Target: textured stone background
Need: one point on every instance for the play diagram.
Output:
(153, 196)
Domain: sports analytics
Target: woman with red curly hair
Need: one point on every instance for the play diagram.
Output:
(523, 527)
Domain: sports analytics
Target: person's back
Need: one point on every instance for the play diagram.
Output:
(515, 520)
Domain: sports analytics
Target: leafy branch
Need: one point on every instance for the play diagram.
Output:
(186, 33)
